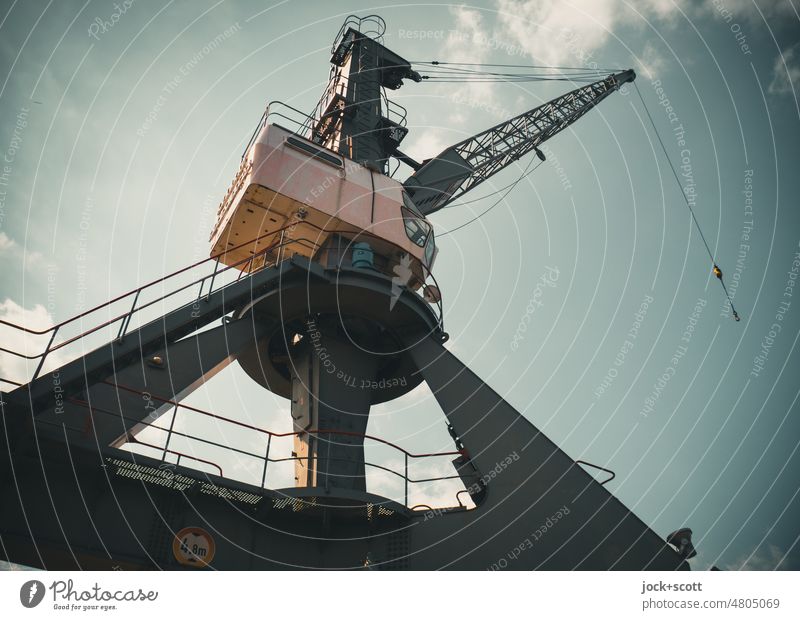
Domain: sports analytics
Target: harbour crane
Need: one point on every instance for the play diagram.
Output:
(335, 307)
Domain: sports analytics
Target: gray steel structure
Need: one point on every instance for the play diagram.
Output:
(353, 116)
(73, 499)
(465, 165)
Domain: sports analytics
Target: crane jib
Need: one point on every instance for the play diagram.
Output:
(463, 166)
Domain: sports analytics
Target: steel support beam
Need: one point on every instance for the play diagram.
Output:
(540, 509)
(136, 395)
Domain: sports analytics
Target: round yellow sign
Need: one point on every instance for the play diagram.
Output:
(193, 546)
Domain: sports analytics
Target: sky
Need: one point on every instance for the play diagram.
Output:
(585, 296)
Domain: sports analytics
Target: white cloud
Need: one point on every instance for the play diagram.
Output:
(557, 33)
(427, 144)
(470, 40)
(786, 71)
(467, 42)
(32, 260)
(524, 31)
(544, 32)
(6, 242)
(13, 251)
(569, 33)
(468, 27)
(661, 8)
(650, 61)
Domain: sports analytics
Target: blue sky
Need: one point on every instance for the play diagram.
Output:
(113, 170)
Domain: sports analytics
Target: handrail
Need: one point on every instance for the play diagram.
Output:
(608, 471)
(358, 21)
(125, 317)
(394, 109)
(215, 257)
(216, 416)
(179, 454)
(336, 86)
(458, 497)
(270, 111)
(375, 465)
(133, 439)
(270, 434)
(138, 289)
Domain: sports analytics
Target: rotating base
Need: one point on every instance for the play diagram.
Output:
(351, 298)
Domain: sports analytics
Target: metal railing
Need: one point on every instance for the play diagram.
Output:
(179, 455)
(245, 265)
(302, 124)
(372, 26)
(394, 111)
(612, 475)
(125, 318)
(265, 458)
(298, 121)
(335, 88)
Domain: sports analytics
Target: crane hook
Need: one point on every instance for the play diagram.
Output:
(718, 272)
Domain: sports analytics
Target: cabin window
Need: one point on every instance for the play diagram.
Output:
(410, 205)
(430, 249)
(417, 229)
(313, 151)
